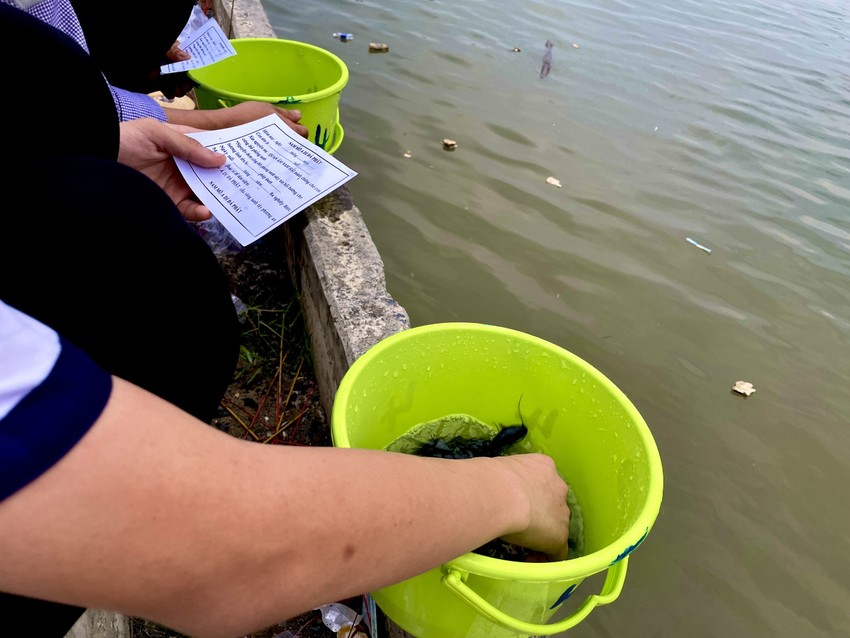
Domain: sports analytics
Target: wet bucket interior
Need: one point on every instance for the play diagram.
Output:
(599, 442)
(287, 73)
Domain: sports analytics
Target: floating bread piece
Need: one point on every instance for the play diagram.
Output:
(449, 145)
(743, 387)
(554, 181)
(378, 47)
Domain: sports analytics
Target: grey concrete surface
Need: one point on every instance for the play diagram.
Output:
(339, 274)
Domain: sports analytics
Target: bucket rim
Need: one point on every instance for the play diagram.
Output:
(571, 568)
(337, 87)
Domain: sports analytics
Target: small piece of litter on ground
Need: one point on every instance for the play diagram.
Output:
(698, 245)
(554, 181)
(378, 47)
(408, 154)
(449, 145)
(743, 387)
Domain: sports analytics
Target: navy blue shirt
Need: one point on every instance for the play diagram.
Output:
(51, 393)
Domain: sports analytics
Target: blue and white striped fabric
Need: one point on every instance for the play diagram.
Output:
(51, 393)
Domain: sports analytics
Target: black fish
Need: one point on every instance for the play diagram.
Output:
(460, 447)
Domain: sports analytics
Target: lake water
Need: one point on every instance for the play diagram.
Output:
(723, 121)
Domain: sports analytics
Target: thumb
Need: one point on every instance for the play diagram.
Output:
(191, 150)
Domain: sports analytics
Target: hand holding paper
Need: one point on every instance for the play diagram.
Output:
(270, 175)
(206, 45)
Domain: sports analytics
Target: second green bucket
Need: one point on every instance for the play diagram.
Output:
(596, 437)
(290, 74)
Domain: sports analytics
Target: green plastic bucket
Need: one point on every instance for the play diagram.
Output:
(599, 442)
(284, 72)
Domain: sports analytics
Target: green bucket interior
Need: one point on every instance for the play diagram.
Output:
(290, 74)
(599, 441)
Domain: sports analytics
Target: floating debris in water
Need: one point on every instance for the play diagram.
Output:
(547, 59)
(449, 145)
(554, 181)
(378, 47)
(344, 37)
(408, 154)
(517, 50)
(575, 46)
(698, 245)
(743, 387)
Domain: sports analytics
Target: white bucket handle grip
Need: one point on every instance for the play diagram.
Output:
(614, 580)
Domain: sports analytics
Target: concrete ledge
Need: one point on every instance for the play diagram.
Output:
(101, 624)
(340, 278)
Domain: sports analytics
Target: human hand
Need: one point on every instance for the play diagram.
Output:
(176, 54)
(549, 515)
(254, 110)
(241, 113)
(150, 146)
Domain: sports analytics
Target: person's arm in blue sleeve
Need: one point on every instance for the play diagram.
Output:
(145, 510)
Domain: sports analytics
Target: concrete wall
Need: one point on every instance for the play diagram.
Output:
(338, 273)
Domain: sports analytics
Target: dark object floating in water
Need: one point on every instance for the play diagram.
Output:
(547, 59)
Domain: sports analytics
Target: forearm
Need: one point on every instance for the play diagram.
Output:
(241, 113)
(164, 517)
(196, 118)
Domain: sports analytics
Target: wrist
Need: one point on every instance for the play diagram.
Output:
(510, 500)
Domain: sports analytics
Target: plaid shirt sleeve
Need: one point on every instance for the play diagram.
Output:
(132, 106)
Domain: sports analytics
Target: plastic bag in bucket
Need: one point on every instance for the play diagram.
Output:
(290, 74)
(597, 438)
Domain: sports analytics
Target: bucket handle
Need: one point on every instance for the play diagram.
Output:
(614, 580)
(224, 103)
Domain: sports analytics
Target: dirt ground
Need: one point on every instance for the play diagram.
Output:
(273, 399)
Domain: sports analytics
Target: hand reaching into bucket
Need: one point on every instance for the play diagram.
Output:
(242, 113)
(548, 514)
